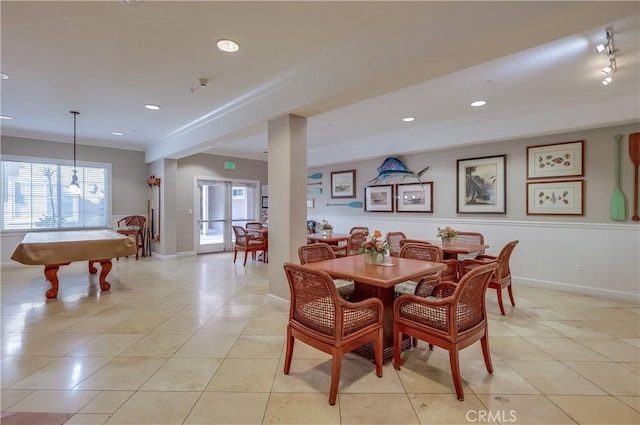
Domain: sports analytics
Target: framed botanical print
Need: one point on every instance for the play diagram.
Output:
(378, 198)
(414, 197)
(482, 185)
(343, 184)
(555, 160)
(564, 197)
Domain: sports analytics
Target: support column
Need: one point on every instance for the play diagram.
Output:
(287, 197)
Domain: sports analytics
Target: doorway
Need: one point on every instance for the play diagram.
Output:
(222, 204)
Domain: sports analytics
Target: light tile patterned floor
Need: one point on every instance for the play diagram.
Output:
(193, 341)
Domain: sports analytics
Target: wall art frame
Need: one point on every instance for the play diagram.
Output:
(311, 203)
(265, 202)
(556, 160)
(558, 197)
(343, 184)
(482, 185)
(414, 197)
(378, 198)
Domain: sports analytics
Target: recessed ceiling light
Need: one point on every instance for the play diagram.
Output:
(152, 107)
(3, 76)
(228, 46)
(5, 117)
(478, 103)
(408, 119)
(117, 133)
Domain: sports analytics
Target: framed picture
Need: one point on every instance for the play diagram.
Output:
(378, 198)
(311, 203)
(343, 184)
(555, 198)
(556, 160)
(482, 185)
(414, 197)
(265, 202)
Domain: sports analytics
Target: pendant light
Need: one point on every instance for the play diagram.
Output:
(74, 187)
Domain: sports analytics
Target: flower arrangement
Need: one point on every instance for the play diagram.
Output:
(375, 243)
(324, 225)
(447, 232)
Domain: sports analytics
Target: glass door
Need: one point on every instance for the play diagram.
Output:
(223, 204)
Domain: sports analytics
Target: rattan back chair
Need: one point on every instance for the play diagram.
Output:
(247, 243)
(352, 246)
(453, 317)
(320, 251)
(394, 239)
(502, 277)
(359, 229)
(425, 252)
(323, 320)
(470, 237)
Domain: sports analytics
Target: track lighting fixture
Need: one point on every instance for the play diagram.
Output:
(74, 186)
(608, 48)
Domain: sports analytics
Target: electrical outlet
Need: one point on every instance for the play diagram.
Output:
(579, 269)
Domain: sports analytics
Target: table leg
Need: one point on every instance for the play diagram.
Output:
(105, 268)
(51, 274)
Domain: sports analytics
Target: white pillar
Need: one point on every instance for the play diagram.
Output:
(287, 197)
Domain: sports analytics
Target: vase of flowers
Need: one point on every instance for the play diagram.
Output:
(374, 248)
(447, 234)
(326, 228)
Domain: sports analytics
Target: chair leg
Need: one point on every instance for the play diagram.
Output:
(454, 359)
(245, 258)
(378, 353)
(513, 303)
(235, 255)
(484, 341)
(397, 347)
(289, 353)
(499, 291)
(335, 377)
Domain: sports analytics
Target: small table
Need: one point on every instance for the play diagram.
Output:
(55, 249)
(454, 248)
(378, 281)
(332, 239)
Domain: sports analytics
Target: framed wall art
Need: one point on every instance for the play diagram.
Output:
(343, 184)
(414, 197)
(555, 160)
(378, 198)
(311, 203)
(265, 202)
(482, 185)
(555, 197)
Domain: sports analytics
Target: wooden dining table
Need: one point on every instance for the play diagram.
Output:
(378, 281)
(452, 249)
(331, 239)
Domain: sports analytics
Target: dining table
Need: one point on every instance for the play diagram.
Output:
(328, 238)
(453, 248)
(378, 280)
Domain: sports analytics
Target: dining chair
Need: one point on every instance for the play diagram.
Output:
(425, 252)
(135, 227)
(247, 243)
(471, 238)
(323, 320)
(451, 273)
(394, 239)
(352, 246)
(359, 229)
(501, 278)
(453, 317)
(253, 225)
(320, 251)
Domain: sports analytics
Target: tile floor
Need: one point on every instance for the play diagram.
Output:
(193, 341)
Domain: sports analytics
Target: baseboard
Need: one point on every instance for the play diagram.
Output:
(275, 300)
(187, 254)
(577, 289)
(162, 257)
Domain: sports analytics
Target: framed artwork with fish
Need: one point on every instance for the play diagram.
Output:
(482, 185)
(343, 184)
(555, 160)
(414, 197)
(378, 198)
(561, 197)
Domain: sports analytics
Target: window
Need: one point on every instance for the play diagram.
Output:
(35, 195)
(237, 192)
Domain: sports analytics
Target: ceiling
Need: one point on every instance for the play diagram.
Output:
(354, 69)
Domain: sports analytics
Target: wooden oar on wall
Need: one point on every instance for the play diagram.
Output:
(618, 203)
(634, 153)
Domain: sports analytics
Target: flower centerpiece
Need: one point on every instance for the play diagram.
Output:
(374, 248)
(325, 227)
(447, 234)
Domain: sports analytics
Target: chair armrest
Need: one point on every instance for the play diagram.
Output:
(447, 288)
(369, 302)
(486, 257)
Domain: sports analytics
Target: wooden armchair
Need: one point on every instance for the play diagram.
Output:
(425, 252)
(352, 246)
(247, 243)
(453, 318)
(359, 229)
(451, 273)
(470, 237)
(311, 253)
(501, 278)
(134, 226)
(320, 318)
(394, 239)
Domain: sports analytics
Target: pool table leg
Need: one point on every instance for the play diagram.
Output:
(105, 268)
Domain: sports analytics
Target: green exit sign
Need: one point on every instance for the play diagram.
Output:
(230, 165)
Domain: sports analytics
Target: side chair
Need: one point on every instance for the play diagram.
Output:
(394, 239)
(320, 251)
(453, 317)
(247, 243)
(323, 320)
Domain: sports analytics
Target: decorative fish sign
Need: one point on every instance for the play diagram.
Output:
(393, 167)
